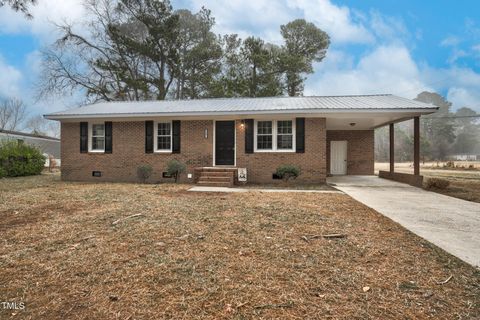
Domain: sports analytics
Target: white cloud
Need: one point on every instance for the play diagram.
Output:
(335, 20)
(450, 41)
(387, 69)
(45, 13)
(10, 79)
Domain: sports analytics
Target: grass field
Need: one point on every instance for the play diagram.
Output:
(127, 251)
(464, 182)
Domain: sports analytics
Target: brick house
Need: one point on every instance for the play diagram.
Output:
(108, 141)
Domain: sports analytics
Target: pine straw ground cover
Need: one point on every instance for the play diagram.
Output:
(215, 256)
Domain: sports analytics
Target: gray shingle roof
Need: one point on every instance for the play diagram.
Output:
(244, 106)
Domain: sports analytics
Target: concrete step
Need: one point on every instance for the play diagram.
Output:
(215, 178)
(216, 169)
(216, 174)
(214, 184)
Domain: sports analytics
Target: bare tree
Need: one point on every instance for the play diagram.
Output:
(19, 5)
(39, 125)
(12, 114)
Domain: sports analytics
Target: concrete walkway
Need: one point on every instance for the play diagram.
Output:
(451, 224)
(229, 190)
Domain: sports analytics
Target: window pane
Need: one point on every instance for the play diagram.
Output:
(163, 143)
(164, 128)
(264, 142)
(98, 143)
(284, 127)
(98, 129)
(285, 141)
(264, 127)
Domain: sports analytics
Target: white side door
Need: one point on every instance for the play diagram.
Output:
(338, 157)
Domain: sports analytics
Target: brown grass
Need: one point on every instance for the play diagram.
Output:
(215, 256)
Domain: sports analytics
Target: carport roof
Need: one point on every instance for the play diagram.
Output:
(246, 106)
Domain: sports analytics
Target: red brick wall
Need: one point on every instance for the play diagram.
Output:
(360, 150)
(261, 166)
(196, 151)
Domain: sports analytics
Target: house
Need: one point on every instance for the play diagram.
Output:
(323, 135)
(49, 146)
(465, 157)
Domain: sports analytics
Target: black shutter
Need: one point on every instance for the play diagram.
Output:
(249, 136)
(108, 137)
(300, 135)
(148, 136)
(176, 136)
(83, 137)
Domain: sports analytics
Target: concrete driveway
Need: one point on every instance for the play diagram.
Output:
(451, 224)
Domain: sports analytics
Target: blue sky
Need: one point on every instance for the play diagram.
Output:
(401, 47)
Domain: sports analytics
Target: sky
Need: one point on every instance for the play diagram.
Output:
(401, 47)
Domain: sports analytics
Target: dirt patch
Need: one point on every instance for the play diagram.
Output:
(217, 256)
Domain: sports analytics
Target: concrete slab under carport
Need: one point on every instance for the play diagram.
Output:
(451, 224)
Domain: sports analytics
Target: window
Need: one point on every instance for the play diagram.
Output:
(264, 135)
(97, 134)
(164, 137)
(284, 135)
(275, 135)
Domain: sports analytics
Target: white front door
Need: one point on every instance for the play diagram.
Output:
(338, 157)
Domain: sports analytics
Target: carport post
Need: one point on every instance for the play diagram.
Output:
(416, 146)
(392, 148)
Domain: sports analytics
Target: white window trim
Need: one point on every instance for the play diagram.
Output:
(90, 137)
(155, 136)
(274, 136)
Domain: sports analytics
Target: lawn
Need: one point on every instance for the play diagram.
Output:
(464, 182)
(130, 251)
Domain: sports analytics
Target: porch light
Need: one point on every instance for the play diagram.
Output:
(206, 134)
(242, 124)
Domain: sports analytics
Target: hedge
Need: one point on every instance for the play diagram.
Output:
(19, 159)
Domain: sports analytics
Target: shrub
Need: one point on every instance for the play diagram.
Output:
(437, 183)
(175, 168)
(449, 164)
(144, 172)
(287, 172)
(19, 159)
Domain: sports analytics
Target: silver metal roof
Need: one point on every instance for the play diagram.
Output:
(225, 106)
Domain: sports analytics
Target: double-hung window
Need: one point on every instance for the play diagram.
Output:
(274, 135)
(164, 137)
(97, 137)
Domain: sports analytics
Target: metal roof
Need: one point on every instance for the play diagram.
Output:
(225, 106)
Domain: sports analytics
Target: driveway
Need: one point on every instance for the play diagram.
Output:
(451, 224)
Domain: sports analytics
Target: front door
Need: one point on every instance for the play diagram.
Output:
(338, 157)
(224, 143)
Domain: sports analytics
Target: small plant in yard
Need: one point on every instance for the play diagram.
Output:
(287, 172)
(18, 159)
(436, 183)
(175, 168)
(144, 172)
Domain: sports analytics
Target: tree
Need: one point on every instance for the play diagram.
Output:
(304, 44)
(12, 114)
(39, 125)
(128, 52)
(437, 128)
(19, 5)
(262, 74)
(199, 54)
(467, 131)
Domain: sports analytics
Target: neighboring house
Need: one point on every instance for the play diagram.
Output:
(465, 157)
(49, 146)
(107, 141)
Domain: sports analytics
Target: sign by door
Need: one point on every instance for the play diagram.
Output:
(338, 157)
(242, 174)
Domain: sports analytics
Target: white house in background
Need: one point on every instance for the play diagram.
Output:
(465, 157)
(49, 146)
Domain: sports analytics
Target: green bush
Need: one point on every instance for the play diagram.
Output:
(436, 183)
(19, 159)
(175, 168)
(287, 172)
(144, 172)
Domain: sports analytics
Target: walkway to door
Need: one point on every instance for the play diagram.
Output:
(451, 224)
